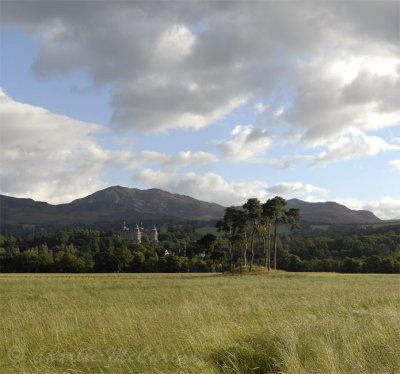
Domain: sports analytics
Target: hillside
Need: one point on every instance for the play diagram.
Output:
(110, 204)
(331, 213)
(130, 204)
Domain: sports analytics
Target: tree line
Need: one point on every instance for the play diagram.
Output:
(83, 250)
(255, 234)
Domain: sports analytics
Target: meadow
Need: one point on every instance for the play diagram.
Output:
(289, 323)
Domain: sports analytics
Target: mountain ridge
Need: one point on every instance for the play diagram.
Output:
(328, 212)
(132, 204)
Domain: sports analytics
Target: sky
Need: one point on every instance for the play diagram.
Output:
(218, 100)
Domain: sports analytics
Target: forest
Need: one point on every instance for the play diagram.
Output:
(182, 249)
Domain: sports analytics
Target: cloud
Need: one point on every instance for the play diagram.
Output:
(260, 108)
(287, 162)
(331, 68)
(50, 157)
(56, 159)
(295, 189)
(153, 110)
(336, 95)
(174, 44)
(207, 187)
(173, 163)
(356, 143)
(245, 145)
(213, 188)
(384, 208)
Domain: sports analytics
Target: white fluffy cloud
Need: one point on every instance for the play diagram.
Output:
(54, 158)
(207, 187)
(384, 208)
(297, 188)
(245, 145)
(354, 144)
(213, 188)
(50, 157)
(321, 68)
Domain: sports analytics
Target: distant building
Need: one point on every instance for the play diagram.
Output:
(153, 235)
(136, 233)
(126, 232)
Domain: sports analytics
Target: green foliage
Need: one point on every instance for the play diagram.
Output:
(69, 263)
(347, 250)
(253, 209)
(106, 262)
(27, 262)
(173, 264)
(124, 257)
(198, 265)
(138, 262)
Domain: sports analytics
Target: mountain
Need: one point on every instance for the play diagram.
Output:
(108, 205)
(117, 204)
(331, 213)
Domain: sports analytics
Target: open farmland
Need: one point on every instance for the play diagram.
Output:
(189, 323)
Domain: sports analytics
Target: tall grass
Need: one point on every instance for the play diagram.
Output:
(280, 323)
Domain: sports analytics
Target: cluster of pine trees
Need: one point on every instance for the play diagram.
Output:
(259, 217)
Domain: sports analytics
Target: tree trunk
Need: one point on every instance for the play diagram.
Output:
(275, 232)
(245, 255)
(265, 250)
(230, 256)
(241, 257)
(245, 249)
(252, 248)
(269, 246)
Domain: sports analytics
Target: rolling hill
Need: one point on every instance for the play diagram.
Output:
(121, 203)
(331, 213)
(109, 205)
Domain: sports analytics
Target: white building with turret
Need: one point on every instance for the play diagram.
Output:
(137, 233)
(153, 235)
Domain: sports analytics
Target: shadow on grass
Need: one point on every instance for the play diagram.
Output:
(252, 355)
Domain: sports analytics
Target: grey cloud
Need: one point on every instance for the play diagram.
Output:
(257, 134)
(372, 21)
(276, 52)
(245, 145)
(384, 91)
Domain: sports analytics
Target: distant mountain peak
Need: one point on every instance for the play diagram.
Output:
(118, 203)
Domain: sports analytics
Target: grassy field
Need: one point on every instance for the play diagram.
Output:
(129, 323)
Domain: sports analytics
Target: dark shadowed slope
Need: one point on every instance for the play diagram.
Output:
(110, 204)
(131, 204)
(331, 213)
